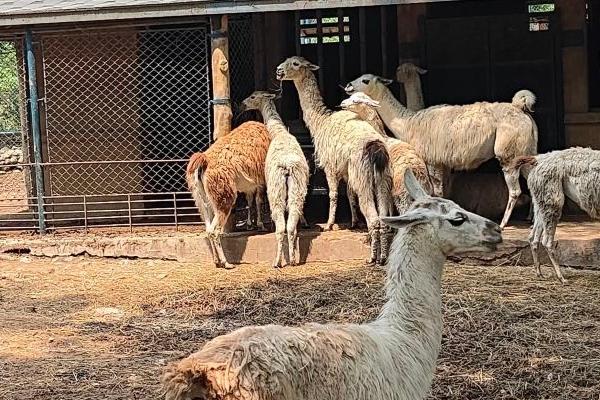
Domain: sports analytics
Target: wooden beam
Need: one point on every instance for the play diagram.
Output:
(384, 44)
(362, 32)
(320, 57)
(222, 113)
(341, 50)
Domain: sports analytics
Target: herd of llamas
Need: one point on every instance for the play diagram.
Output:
(399, 184)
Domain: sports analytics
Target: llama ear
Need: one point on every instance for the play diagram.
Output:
(312, 66)
(421, 71)
(386, 82)
(413, 186)
(412, 217)
(270, 95)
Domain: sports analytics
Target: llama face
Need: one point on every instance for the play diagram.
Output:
(408, 71)
(368, 83)
(358, 99)
(256, 100)
(455, 229)
(294, 68)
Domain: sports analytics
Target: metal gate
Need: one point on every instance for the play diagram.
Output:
(123, 110)
(489, 58)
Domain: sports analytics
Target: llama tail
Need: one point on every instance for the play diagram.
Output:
(524, 160)
(524, 100)
(377, 156)
(184, 379)
(195, 168)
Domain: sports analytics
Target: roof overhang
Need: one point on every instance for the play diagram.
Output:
(200, 8)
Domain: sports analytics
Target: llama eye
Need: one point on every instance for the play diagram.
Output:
(459, 220)
(297, 64)
(366, 81)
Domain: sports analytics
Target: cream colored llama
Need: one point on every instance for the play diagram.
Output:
(572, 173)
(410, 76)
(286, 173)
(402, 154)
(461, 137)
(390, 358)
(346, 148)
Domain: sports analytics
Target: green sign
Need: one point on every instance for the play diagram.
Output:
(541, 8)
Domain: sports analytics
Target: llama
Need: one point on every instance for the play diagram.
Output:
(234, 163)
(573, 173)
(286, 172)
(346, 148)
(409, 75)
(402, 154)
(392, 357)
(461, 137)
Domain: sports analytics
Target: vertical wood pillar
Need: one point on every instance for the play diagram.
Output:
(222, 113)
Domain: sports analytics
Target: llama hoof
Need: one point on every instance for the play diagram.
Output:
(563, 281)
(228, 266)
(328, 227)
(382, 262)
(371, 263)
(277, 265)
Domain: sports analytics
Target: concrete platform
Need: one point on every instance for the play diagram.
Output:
(579, 244)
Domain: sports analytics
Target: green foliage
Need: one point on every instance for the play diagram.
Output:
(9, 89)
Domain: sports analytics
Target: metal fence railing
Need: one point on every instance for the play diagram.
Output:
(124, 110)
(120, 113)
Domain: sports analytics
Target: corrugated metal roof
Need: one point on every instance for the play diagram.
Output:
(20, 7)
(14, 14)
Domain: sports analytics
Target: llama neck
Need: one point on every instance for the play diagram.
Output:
(271, 118)
(314, 109)
(412, 316)
(414, 94)
(393, 113)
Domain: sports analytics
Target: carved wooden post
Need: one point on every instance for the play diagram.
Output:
(222, 113)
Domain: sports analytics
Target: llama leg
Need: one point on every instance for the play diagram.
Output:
(259, 203)
(385, 206)
(551, 247)
(218, 223)
(511, 176)
(250, 203)
(352, 201)
(534, 243)
(277, 214)
(292, 233)
(332, 182)
(211, 242)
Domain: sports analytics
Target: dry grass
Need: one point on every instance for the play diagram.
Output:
(102, 329)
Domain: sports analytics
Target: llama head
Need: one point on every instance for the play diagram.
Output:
(408, 72)
(256, 100)
(294, 68)
(455, 230)
(358, 99)
(371, 85)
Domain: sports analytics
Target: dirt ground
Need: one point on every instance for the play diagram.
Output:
(86, 328)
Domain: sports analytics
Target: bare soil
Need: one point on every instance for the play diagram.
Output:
(87, 328)
(13, 193)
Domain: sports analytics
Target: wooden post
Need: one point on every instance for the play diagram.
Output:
(222, 113)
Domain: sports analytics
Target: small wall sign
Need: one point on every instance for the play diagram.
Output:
(539, 14)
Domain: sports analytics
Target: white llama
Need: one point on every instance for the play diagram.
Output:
(390, 358)
(461, 137)
(346, 148)
(286, 173)
(573, 173)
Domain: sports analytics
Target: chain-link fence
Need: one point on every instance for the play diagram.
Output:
(17, 204)
(241, 56)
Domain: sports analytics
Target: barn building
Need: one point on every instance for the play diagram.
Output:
(116, 94)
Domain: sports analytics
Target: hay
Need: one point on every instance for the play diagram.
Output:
(85, 328)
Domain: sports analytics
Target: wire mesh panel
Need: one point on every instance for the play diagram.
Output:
(241, 59)
(17, 204)
(124, 110)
